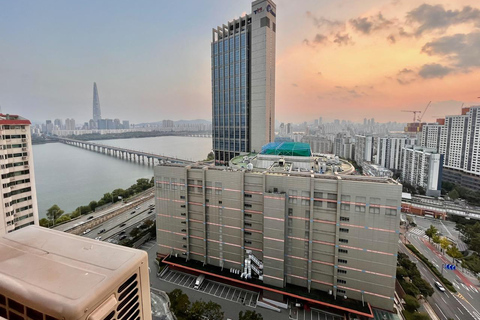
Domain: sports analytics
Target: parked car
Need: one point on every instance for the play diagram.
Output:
(87, 231)
(122, 225)
(98, 238)
(90, 218)
(133, 212)
(101, 231)
(123, 237)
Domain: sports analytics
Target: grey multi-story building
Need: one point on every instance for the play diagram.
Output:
(344, 146)
(388, 150)
(334, 234)
(243, 82)
(363, 148)
(457, 137)
(318, 144)
(423, 167)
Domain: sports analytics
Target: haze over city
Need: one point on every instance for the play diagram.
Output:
(341, 59)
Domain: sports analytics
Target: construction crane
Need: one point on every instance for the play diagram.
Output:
(420, 118)
(414, 114)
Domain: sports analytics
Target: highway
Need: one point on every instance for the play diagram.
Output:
(123, 222)
(445, 304)
(140, 198)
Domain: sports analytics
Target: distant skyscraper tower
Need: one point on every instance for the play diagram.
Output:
(97, 114)
(243, 82)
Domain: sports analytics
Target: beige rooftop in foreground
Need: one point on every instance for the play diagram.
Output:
(69, 277)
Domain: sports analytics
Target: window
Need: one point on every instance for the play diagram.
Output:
(332, 204)
(182, 197)
(339, 291)
(374, 209)
(343, 240)
(248, 195)
(290, 212)
(359, 208)
(342, 250)
(247, 205)
(248, 242)
(344, 219)
(342, 261)
(247, 224)
(343, 230)
(317, 201)
(342, 271)
(341, 281)
(249, 215)
(292, 196)
(247, 233)
(390, 212)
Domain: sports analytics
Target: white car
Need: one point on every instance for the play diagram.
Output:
(98, 238)
(439, 286)
(87, 231)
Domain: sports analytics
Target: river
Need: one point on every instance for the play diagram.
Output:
(70, 176)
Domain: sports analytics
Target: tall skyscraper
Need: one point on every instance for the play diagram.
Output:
(97, 114)
(457, 138)
(243, 82)
(18, 199)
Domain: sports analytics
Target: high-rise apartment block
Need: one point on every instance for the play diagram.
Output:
(422, 167)
(318, 144)
(243, 82)
(363, 149)
(344, 146)
(389, 151)
(18, 206)
(457, 137)
(320, 233)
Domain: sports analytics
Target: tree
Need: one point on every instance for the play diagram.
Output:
(134, 232)
(424, 287)
(179, 303)
(420, 316)
(210, 156)
(453, 194)
(436, 238)
(411, 304)
(63, 218)
(205, 310)
(249, 315)
(430, 232)
(453, 252)
(44, 222)
(93, 205)
(444, 243)
(54, 212)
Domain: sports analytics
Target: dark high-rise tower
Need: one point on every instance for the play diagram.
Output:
(243, 82)
(97, 114)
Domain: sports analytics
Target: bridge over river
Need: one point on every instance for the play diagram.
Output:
(122, 153)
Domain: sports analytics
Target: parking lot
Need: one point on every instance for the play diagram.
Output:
(220, 290)
(312, 314)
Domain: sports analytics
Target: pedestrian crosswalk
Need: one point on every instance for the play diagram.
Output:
(418, 232)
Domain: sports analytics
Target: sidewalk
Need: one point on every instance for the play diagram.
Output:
(466, 279)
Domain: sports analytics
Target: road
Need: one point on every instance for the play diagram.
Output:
(140, 198)
(445, 304)
(465, 285)
(123, 222)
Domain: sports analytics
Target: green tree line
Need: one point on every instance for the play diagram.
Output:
(56, 215)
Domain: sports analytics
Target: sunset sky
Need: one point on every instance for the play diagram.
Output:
(344, 59)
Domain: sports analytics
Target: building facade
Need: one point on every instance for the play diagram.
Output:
(97, 113)
(344, 146)
(389, 151)
(363, 149)
(333, 234)
(423, 167)
(318, 144)
(243, 82)
(18, 197)
(457, 137)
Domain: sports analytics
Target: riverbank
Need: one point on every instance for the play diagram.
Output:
(136, 134)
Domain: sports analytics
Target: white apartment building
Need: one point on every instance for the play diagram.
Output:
(363, 148)
(422, 167)
(389, 151)
(458, 139)
(18, 198)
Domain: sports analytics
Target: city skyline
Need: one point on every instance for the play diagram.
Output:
(372, 60)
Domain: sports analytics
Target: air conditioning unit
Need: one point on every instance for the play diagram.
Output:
(48, 274)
